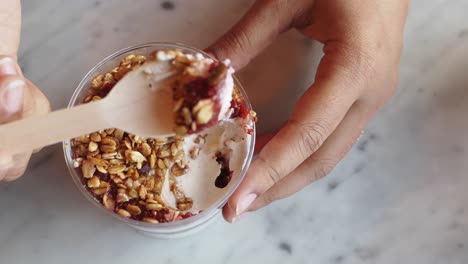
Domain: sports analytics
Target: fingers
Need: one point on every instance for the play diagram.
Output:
(9, 66)
(12, 167)
(257, 29)
(12, 89)
(260, 142)
(317, 114)
(10, 26)
(12, 94)
(12, 84)
(35, 103)
(323, 161)
(17, 167)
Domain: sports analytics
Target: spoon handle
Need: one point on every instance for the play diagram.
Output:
(40, 131)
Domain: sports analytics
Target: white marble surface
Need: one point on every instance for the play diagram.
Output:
(399, 197)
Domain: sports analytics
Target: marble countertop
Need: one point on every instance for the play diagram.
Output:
(399, 197)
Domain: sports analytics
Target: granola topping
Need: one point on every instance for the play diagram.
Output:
(143, 178)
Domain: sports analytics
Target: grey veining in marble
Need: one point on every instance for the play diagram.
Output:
(399, 197)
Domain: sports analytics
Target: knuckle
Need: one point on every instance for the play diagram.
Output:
(353, 62)
(271, 173)
(312, 135)
(377, 98)
(365, 70)
(236, 40)
(378, 69)
(322, 168)
(45, 106)
(40, 103)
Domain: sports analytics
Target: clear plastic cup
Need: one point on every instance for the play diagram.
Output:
(179, 228)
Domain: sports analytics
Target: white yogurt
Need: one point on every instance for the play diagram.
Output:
(199, 182)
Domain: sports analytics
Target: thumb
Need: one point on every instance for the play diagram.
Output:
(10, 26)
(12, 86)
(12, 89)
(256, 30)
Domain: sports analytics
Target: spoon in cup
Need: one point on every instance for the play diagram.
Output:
(140, 103)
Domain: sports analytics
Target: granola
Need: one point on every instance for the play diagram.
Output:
(196, 95)
(128, 174)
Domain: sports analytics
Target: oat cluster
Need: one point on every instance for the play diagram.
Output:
(195, 96)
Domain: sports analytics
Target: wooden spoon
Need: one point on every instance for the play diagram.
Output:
(141, 103)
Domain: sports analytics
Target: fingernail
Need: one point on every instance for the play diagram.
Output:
(244, 203)
(13, 96)
(8, 66)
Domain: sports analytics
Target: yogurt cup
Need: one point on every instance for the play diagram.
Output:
(175, 229)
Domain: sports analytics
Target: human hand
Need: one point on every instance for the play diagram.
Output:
(19, 98)
(356, 76)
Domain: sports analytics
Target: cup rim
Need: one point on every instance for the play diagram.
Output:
(190, 221)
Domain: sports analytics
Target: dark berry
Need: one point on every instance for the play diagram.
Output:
(144, 170)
